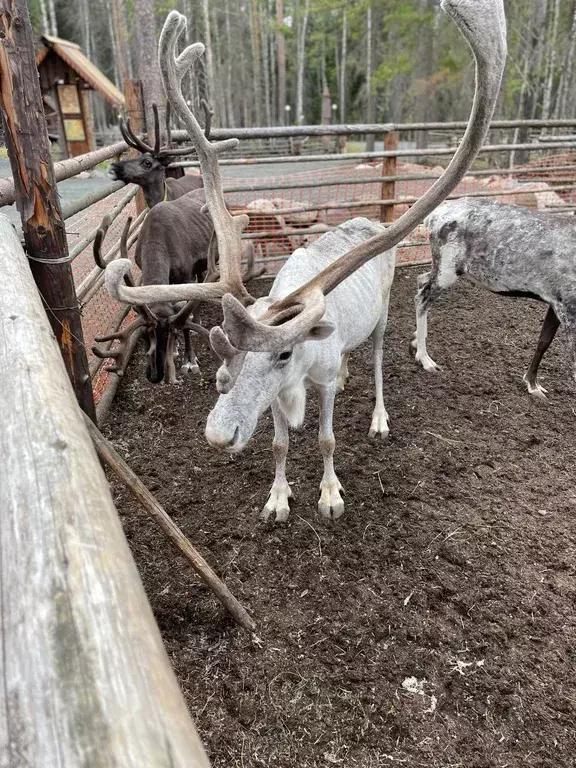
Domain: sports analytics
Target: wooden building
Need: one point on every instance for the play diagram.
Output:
(66, 78)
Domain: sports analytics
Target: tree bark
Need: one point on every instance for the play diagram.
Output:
(300, 59)
(37, 194)
(281, 54)
(343, 67)
(551, 63)
(148, 68)
(44, 14)
(256, 70)
(120, 36)
(565, 85)
(369, 98)
(264, 34)
(231, 120)
(209, 58)
(52, 17)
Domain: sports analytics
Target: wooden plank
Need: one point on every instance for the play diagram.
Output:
(37, 194)
(85, 678)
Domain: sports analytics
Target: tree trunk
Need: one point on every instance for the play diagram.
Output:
(121, 48)
(208, 56)
(369, 97)
(86, 28)
(564, 87)
(52, 17)
(551, 68)
(112, 33)
(343, 68)
(231, 121)
(281, 53)
(148, 68)
(265, 64)
(44, 14)
(37, 197)
(257, 74)
(300, 57)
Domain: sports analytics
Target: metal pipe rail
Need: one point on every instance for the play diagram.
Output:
(382, 154)
(272, 132)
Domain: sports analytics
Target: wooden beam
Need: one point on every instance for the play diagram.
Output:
(84, 675)
(36, 192)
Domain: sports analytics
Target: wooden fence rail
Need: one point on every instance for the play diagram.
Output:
(84, 674)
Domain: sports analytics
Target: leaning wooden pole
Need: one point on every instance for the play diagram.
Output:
(85, 679)
(130, 480)
(37, 194)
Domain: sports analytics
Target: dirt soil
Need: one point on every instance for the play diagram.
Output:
(435, 623)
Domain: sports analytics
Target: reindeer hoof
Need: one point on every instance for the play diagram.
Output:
(331, 504)
(535, 389)
(379, 427)
(428, 364)
(190, 369)
(278, 503)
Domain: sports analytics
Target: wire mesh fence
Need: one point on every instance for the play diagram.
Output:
(292, 205)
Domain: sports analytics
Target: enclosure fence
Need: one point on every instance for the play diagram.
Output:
(291, 199)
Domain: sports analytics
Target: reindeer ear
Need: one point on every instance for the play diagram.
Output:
(320, 331)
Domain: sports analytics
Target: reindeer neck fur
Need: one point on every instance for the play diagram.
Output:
(174, 241)
(355, 305)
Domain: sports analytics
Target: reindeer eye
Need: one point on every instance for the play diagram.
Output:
(285, 356)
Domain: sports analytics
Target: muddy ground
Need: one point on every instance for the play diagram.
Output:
(434, 624)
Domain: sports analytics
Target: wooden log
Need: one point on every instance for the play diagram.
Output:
(85, 678)
(36, 192)
(389, 168)
(137, 488)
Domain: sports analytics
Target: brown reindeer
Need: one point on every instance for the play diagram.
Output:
(176, 245)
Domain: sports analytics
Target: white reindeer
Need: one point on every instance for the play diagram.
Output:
(296, 337)
(254, 381)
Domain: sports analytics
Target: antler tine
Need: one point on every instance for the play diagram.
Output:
(156, 130)
(208, 115)
(99, 239)
(228, 228)
(180, 319)
(130, 137)
(118, 354)
(251, 270)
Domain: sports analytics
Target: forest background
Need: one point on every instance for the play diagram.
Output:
(268, 62)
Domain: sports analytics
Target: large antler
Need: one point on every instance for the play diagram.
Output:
(146, 318)
(483, 24)
(228, 228)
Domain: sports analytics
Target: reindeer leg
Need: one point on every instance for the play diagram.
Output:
(170, 375)
(379, 425)
(280, 491)
(428, 292)
(330, 504)
(343, 373)
(549, 328)
(190, 364)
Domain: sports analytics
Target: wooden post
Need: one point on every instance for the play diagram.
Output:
(37, 194)
(135, 111)
(85, 678)
(389, 167)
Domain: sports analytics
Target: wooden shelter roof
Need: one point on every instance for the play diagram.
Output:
(75, 58)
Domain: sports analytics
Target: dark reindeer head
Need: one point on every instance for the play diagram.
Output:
(149, 170)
